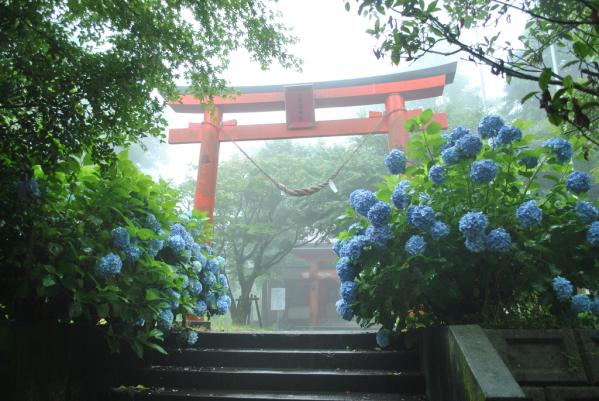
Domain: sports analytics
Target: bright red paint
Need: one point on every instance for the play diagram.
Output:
(299, 101)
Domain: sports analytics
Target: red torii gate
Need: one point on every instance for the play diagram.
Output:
(299, 103)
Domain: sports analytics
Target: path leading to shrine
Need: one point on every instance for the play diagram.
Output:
(336, 365)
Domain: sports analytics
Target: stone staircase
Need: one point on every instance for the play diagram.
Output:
(297, 366)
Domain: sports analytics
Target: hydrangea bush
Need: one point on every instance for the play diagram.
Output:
(487, 227)
(112, 249)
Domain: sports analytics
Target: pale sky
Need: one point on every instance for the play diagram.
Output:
(332, 44)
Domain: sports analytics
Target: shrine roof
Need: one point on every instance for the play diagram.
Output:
(411, 85)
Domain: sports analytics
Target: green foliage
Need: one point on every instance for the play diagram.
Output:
(569, 92)
(51, 267)
(80, 75)
(448, 283)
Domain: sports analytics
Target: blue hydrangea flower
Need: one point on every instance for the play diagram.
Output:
(200, 308)
(457, 133)
(561, 148)
(450, 155)
(529, 214)
(195, 287)
(344, 310)
(132, 252)
(337, 245)
(581, 303)
(189, 337)
(379, 213)
(415, 245)
(593, 234)
(483, 171)
(473, 225)
(185, 280)
(396, 161)
(586, 211)
(152, 223)
(165, 320)
(345, 270)
(578, 182)
(383, 337)
(212, 266)
(507, 135)
(400, 196)
(595, 306)
(174, 298)
(498, 240)
(529, 161)
(563, 288)
(362, 200)
(490, 126)
(475, 244)
(421, 217)
(222, 280)
(176, 243)
(202, 260)
(155, 245)
(379, 236)
(469, 146)
(437, 175)
(347, 291)
(445, 145)
(108, 266)
(210, 298)
(222, 304)
(196, 251)
(178, 229)
(439, 230)
(120, 237)
(353, 248)
(209, 279)
(189, 240)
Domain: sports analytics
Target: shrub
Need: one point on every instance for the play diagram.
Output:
(112, 249)
(487, 227)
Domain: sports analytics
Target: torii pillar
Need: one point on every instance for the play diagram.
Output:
(299, 103)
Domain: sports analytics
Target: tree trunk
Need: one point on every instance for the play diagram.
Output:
(243, 308)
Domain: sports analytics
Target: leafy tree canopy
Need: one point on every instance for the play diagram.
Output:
(410, 29)
(256, 226)
(81, 74)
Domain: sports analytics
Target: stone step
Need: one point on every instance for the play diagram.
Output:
(290, 358)
(354, 380)
(289, 340)
(178, 394)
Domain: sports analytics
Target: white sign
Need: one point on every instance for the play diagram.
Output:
(277, 299)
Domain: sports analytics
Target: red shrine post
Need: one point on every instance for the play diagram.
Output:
(299, 103)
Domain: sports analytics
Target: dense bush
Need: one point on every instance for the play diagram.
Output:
(486, 228)
(109, 248)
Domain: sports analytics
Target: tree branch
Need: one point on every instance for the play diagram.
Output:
(501, 65)
(544, 18)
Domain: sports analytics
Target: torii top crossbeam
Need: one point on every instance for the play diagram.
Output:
(299, 103)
